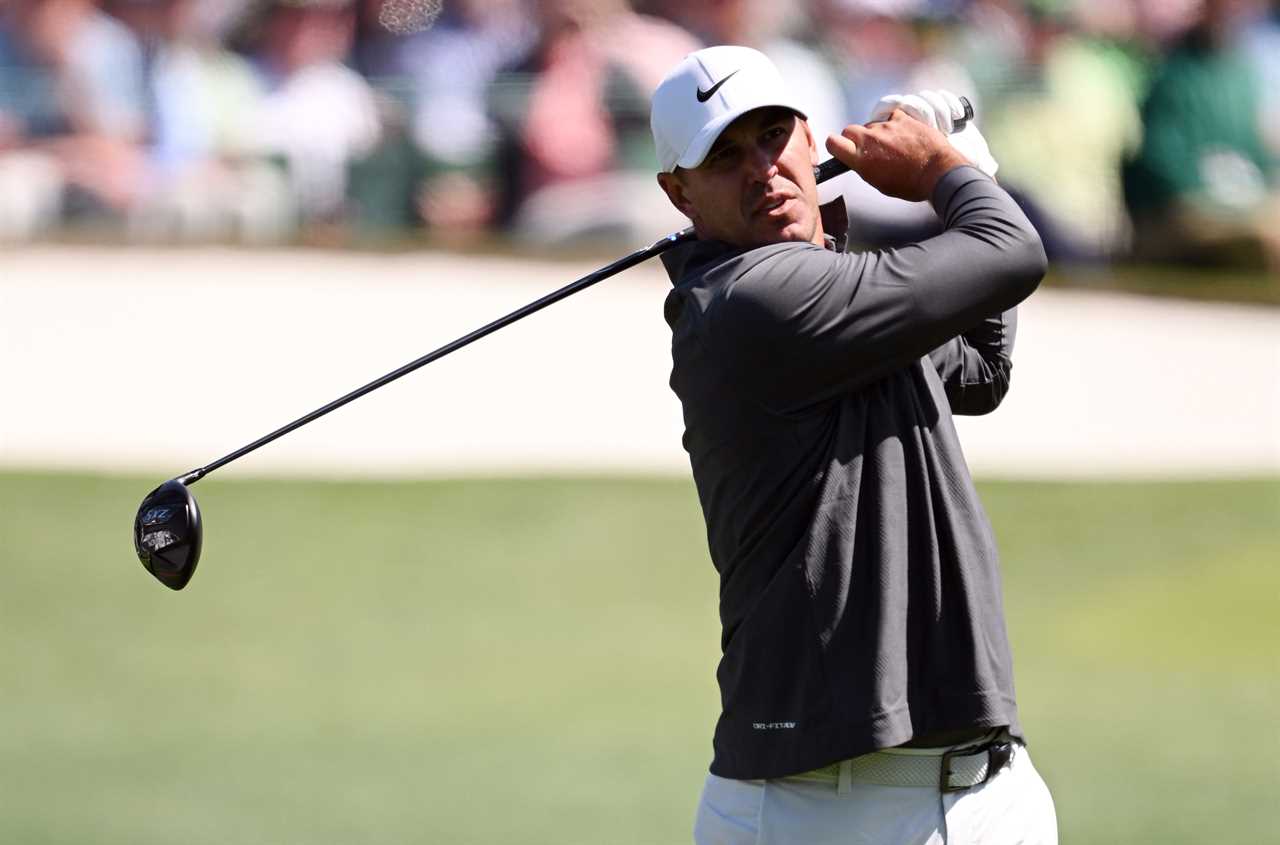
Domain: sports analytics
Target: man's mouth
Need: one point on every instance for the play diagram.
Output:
(773, 206)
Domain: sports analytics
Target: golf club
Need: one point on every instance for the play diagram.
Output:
(167, 531)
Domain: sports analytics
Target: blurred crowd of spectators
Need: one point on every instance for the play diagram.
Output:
(1147, 128)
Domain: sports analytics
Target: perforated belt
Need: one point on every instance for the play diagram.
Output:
(948, 769)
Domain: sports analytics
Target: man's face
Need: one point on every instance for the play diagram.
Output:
(756, 185)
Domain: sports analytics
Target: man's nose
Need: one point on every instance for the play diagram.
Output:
(761, 164)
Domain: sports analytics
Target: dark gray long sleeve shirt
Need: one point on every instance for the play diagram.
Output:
(860, 592)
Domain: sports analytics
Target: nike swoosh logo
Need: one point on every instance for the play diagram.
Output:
(703, 96)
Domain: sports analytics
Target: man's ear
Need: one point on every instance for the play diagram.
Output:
(674, 189)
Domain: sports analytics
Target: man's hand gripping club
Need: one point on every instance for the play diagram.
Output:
(900, 157)
(883, 150)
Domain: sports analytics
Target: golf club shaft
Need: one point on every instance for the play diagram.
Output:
(583, 283)
(825, 171)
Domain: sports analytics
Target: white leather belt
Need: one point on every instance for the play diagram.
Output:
(947, 769)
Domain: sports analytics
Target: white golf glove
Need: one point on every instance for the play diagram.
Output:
(941, 109)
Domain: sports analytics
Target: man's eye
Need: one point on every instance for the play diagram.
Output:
(721, 156)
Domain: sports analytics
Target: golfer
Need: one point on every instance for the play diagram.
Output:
(866, 681)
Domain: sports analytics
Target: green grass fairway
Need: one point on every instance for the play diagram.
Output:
(533, 662)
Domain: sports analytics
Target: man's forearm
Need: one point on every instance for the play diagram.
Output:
(995, 255)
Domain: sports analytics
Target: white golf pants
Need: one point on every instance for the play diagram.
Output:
(1012, 807)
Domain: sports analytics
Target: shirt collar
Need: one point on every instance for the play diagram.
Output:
(835, 224)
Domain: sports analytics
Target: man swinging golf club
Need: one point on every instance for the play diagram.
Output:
(866, 680)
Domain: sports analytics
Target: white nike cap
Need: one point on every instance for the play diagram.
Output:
(706, 92)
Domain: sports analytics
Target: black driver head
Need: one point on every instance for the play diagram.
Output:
(166, 534)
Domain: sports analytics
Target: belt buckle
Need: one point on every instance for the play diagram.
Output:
(999, 752)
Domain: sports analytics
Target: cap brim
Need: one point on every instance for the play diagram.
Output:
(706, 138)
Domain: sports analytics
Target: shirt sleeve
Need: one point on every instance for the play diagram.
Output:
(799, 325)
(975, 365)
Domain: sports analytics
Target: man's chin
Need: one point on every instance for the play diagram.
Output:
(763, 233)
(793, 231)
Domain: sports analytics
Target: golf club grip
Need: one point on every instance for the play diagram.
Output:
(833, 167)
(829, 169)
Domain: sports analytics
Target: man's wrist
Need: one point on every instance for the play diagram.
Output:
(951, 183)
(942, 163)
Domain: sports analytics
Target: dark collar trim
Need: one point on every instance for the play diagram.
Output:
(835, 224)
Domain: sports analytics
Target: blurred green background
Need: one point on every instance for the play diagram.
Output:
(533, 661)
